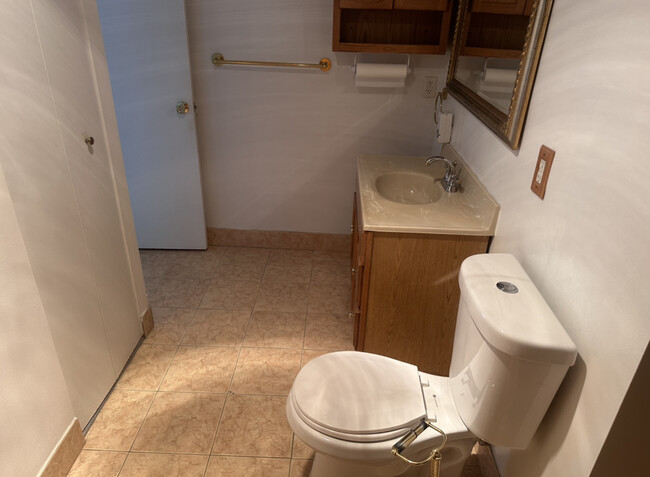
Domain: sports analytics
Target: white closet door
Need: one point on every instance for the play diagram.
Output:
(66, 53)
(148, 59)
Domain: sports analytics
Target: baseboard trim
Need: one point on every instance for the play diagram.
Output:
(147, 321)
(66, 452)
(486, 460)
(277, 239)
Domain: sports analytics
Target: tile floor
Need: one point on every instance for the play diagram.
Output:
(205, 393)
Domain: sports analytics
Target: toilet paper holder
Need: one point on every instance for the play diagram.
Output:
(380, 58)
(376, 70)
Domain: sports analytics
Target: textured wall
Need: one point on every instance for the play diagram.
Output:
(278, 146)
(586, 244)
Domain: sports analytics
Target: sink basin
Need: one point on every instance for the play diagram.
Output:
(408, 187)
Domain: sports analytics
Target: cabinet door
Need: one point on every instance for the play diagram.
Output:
(440, 5)
(509, 7)
(413, 296)
(367, 4)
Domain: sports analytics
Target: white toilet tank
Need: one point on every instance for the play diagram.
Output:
(510, 351)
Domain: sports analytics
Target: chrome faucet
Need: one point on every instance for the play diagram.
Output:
(451, 181)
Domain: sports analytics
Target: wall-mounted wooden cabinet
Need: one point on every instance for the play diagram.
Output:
(405, 293)
(496, 28)
(508, 7)
(391, 26)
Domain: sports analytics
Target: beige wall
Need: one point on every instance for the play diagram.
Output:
(35, 407)
(278, 146)
(586, 244)
(71, 287)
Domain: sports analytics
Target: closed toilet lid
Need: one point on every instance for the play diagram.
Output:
(357, 396)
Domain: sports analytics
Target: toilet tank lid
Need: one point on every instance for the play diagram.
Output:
(517, 322)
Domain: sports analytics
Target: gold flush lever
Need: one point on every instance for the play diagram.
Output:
(182, 107)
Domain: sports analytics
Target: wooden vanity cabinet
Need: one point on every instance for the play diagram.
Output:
(405, 293)
(391, 26)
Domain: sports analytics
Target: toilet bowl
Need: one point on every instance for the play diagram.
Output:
(383, 399)
(510, 355)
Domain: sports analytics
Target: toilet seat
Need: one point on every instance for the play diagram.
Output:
(379, 399)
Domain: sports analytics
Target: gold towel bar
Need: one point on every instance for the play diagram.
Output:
(324, 64)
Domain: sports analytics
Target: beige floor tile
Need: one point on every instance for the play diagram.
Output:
(281, 255)
(329, 331)
(301, 450)
(242, 263)
(248, 269)
(333, 272)
(275, 329)
(228, 466)
(147, 368)
(328, 298)
(289, 266)
(119, 420)
(254, 426)
(265, 371)
(471, 471)
(331, 255)
(195, 263)
(180, 422)
(98, 464)
(275, 296)
(217, 328)
(176, 291)
(309, 354)
(229, 294)
(300, 467)
(245, 253)
(156, 263)
(164, 465)
(169, 325)
(201, 369)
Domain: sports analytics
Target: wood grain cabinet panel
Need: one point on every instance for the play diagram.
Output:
(391, 26)
(421, 4)
(405, 297)
(509, 7)
(367, 4)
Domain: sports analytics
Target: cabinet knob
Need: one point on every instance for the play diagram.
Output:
(351, 315)
(355, 270)
(89, 140)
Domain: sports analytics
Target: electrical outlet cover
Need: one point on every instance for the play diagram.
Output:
(429, 87)
(542, 170)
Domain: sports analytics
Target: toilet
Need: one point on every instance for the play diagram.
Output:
(510, 355)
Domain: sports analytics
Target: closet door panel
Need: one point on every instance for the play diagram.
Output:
(41, 187)
(68, 60)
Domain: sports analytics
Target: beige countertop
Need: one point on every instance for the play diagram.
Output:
(470, 211)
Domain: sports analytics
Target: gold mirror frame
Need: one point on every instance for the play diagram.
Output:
(508, 127)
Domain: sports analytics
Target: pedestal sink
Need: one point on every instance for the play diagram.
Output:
(408, 187)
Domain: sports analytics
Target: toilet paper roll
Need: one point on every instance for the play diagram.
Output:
(445, 123)
(499, 76)
(375, 75)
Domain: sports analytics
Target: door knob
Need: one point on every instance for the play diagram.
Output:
(182, 107)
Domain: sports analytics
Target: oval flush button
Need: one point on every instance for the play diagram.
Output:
(507, 287)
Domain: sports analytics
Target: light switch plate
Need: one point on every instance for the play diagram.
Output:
(542, 170)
